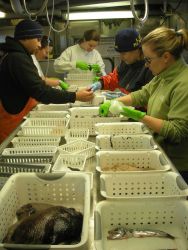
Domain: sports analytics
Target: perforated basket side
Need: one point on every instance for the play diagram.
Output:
(70, 190)
(26, 159)
(125, 142)
(153, 185)
(47, 114)
(11, 168)
(36, 141)
(76, 133)
(42, 131)
(89, 122)
(120, 161)
(67, 162)
(53, 107)
(119, 128)
(79, 147)
(160, 214)
(46, 122)
(45, 150)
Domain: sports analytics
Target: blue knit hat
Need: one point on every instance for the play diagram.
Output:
(27, 29)
(127, 40)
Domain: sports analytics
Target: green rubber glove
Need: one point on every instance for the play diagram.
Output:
(82, 65)
(133, 114)
(96, 78)
(104, 108)
(96, 68)
(63, 85)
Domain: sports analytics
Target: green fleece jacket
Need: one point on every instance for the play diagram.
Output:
(166, 97)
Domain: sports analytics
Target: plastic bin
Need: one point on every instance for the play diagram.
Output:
(42, 131)
(67, 162)
(46, 122)
(36, 141)
(27, 159)
(154, 185)
(125, 142)
(76, 133)
(48, 114)
(78, 147)
(53, 107)
(12, 168)
(87, 118)
(96, 101)
(37, 151)
(121, 128)
(120, 161)
(169, 216)
(80, 79)
(67, 189)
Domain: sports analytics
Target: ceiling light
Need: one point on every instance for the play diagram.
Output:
(100, 15)
(2, 14)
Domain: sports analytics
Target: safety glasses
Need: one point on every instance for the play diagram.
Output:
(148, 60)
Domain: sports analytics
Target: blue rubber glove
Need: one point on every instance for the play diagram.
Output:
(113, 95)
(82, 65)
(133, 114)
(96, 86)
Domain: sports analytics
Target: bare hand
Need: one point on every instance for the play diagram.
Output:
(84, 95)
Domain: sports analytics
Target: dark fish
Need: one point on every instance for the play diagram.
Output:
(53, 225)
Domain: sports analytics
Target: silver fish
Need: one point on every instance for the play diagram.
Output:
(123, 233)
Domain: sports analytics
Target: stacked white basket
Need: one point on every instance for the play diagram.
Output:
(69, 189)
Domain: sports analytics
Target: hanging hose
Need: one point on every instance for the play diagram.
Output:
(37, 12)
(144, 19)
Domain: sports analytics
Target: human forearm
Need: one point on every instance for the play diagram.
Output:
(153, 123)
(126, 100)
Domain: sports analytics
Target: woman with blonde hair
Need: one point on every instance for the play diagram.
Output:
(166, 95)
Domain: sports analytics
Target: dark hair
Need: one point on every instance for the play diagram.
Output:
(164, 39)
(46, 41)
(90, 35)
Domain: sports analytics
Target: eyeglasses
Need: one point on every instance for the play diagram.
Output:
(148, 60)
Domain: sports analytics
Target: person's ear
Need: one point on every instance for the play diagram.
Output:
(167, 56)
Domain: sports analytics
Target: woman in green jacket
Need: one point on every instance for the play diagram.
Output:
(166, 95)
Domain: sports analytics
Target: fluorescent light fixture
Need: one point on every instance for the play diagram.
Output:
(100, 15)
(2, 14)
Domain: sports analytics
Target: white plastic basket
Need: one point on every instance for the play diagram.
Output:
(41, 151)
(46, 122)
(78, 147)
(87, 118)
(48, 114)
(121, 128)
(36, 141)
(69, 189)
(169, 216)
(123, 161)
(44, 127)
(76, 133)
(53, 107)
(12, 168)
(27, 159)
(125, 142)
(80, 79)
(73, 88)
(154, 185)
(96, 101)
(67, 162)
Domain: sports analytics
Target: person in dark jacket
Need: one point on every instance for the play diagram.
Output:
(131, 74)
(21, 87)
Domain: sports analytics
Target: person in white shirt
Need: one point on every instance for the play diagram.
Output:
(41, 54)
(82, 56)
